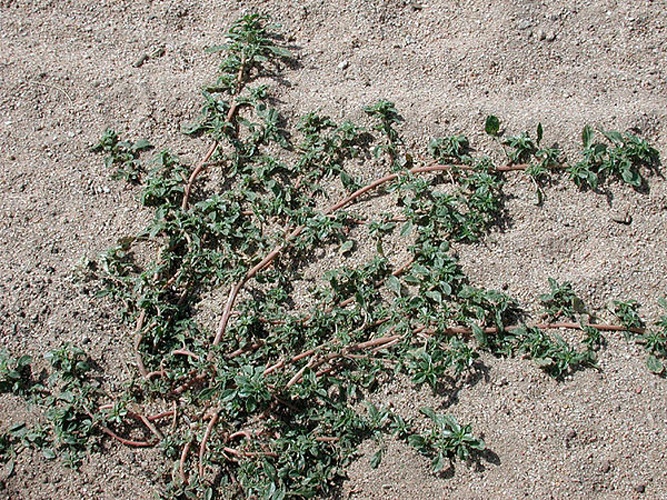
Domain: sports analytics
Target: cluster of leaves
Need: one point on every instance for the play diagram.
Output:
(619, 158)
(122, 156)
(653, 339)
(68, 397)
(270, 397)
(562, 301)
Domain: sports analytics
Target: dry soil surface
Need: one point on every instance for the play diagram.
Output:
(69, 69)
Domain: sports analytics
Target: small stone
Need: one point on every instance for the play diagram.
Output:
(571, 434)
(139, 62)
(524, 25)
(638, 390)
(343, 65)
(541, 35)
(605, 466)
(551, 36)
(621, 217)
(640, 488)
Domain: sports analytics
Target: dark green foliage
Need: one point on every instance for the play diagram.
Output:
(655, 343)
(445, 440)
(454, 149)
(551, 353)
(561, 301)
(15, 373)
(122, 156)
(621, 158)
(628, 314)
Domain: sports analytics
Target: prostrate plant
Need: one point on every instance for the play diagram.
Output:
(267, 403)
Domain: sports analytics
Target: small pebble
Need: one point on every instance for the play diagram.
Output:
(640, 488)
(605, 467)
(551, 36)
(139, 62)
(343, 65)
(541, 35)
(524, 25)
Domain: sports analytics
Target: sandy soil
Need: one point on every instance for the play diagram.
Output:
(69, 69)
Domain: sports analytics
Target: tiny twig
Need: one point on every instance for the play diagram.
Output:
(55, 87)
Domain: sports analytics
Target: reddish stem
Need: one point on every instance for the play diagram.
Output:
(202, 446)
(126, 442)
(181, 463)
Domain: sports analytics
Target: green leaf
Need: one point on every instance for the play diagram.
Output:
(376, 459)
(48, 453)
(544, 362)
(394, 284)
(141, 144)
(416, 441)
(438, 463)
(587, 136)
(540, 131)
(429, 412)
(407, 228)
(655, 365)
(217, 48)
(280, 52)
(346, 247)
(481, 337)
(492, 125)
(630, 176)
(614, 136)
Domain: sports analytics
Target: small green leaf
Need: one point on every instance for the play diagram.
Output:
(614, 136)
(587, 136)
(346, 247)
(544, 362)
(9, 468)
(376, 459)
(217, 48)
(540, 132)
(280, 52)
(630, 176)
(141, 145)
(655, 365)
(407, 228)
(492, 125)
(429, 413)
(394, 284)
(48, 453)
(438, 463)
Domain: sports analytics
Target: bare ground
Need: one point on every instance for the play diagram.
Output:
(69, 69)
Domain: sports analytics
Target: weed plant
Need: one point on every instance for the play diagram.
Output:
(272, 401)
